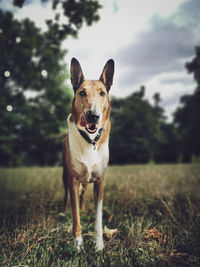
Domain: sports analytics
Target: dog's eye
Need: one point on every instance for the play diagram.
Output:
(82, 93)
(102, 93)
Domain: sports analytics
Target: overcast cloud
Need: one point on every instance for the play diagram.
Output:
(164, 48)
(150, 41)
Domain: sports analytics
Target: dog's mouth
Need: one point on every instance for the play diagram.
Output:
(89, 127)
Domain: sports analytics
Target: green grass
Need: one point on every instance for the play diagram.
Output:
(166, 198)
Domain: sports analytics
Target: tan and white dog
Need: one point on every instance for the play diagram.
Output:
(86, 153)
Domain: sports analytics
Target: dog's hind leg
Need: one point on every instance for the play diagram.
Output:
(98, 198)
(82, 193)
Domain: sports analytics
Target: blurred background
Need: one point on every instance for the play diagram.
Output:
(155, 96)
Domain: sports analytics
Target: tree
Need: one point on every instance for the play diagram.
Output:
(187, 115)
(132, 130)
(34, 101)
(194, 67)
(33, 98)
(165, 149)
(157, 99)
(76, 12)
(140, 93)
(140, 132)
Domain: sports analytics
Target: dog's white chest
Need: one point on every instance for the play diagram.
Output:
(90, 164)
(87, 162)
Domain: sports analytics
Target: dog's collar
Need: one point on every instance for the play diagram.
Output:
(89, 140)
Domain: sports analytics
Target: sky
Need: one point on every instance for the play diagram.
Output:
(149, 40)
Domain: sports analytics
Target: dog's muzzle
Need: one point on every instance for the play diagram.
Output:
(92, 116)
(89, 120)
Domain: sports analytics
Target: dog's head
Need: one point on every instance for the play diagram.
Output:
(91, 106)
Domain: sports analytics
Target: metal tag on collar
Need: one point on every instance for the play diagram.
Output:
(95, 145)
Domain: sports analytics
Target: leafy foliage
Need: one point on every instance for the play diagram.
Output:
(139, 132)
(33, 96)
(187, 115)
(76, 12)
(34, 99)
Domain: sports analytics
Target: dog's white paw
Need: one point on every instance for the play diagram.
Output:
(78, 243)
(99, 243)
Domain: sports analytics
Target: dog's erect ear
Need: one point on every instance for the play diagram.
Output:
(107, 74)
(76, 74)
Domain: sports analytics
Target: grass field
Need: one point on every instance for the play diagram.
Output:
(155, 208)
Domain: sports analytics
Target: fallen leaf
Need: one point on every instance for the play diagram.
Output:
(153, 233)
(108, 233)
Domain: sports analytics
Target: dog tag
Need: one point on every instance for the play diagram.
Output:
(95, 145)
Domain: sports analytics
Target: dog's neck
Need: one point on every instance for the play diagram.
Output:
(90, 139)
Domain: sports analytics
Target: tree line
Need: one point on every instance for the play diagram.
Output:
(35, 101)
(140, 132)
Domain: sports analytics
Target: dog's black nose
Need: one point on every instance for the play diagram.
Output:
(92, 116)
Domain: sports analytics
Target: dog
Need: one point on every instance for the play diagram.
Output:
(86, 152)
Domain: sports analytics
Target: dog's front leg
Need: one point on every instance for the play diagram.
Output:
(98, 198)
(74, 187)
